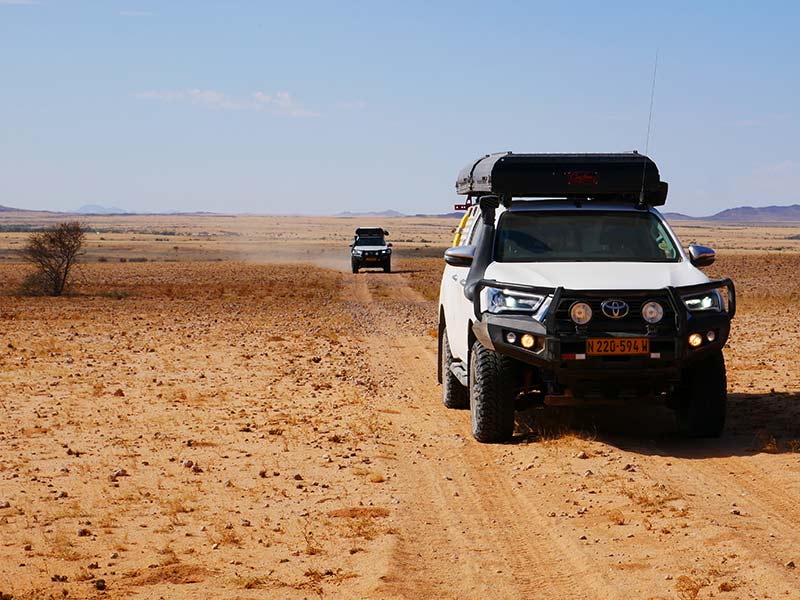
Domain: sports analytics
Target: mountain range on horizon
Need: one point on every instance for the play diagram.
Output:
(739, 214)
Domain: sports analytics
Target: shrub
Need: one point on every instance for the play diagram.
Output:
(54, 252)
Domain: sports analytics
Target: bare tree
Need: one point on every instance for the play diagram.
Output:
(55, 251)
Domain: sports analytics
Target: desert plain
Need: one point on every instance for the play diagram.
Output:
(219, 409)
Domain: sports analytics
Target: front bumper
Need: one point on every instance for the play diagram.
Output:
(560, 352)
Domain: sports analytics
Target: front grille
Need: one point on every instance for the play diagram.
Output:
(632, 323)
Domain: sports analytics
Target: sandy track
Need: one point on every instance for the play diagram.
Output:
(532, 520)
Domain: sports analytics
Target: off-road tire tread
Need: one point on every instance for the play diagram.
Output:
(702, 410)
(491, 395)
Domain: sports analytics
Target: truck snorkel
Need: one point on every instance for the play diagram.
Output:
(483, 251)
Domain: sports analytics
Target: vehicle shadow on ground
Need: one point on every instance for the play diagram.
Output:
(378, 271)
(756, 423)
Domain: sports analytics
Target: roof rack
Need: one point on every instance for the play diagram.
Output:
(627, 176)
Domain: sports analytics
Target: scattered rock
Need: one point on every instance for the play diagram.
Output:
(5, 504)
(114, 555)
(119, 393)
(27, 548)
(790, 564)
(83, 532)
(298, 477)
(196, 469)
(118, 473)
(188, 463)
(581, 455)
(59, 578)
(215, 547)
(100, 584)
(736, 511)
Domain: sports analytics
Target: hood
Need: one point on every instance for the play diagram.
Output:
(370, 248)
(598, 275)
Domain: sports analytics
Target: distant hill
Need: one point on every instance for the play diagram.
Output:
(96, 209)
(760, 214)
(747, 214)
(6, 209)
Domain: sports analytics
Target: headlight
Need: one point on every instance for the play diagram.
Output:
(508, 301)
(652, 312)
(580, 313)
(357, 252)
(710, 301)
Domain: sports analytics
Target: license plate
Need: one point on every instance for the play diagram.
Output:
(372, 258)
(600, 346)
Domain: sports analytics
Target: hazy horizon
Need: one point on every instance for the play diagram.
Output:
(319, 109)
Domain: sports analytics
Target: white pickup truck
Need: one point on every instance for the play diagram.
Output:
(568, 287)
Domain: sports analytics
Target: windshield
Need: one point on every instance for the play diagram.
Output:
(370, 240)
(591, 236)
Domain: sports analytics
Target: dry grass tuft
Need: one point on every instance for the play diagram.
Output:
(688, 588)
(617, 517)
(359, 512)
(177, 574)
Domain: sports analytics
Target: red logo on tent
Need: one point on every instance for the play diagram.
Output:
(581, 178)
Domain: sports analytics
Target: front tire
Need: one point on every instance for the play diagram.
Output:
(387, 268)
(491, 396)
(354, 265)
(703, 405)
(454, 394)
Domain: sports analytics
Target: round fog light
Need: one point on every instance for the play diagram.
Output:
(511, 337)
(652, 312)
(711, 335)
(580, 313)
(527, 341)
(695, 340)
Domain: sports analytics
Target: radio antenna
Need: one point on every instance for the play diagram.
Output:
(649, 123)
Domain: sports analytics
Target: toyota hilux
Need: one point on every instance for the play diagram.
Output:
(568, 287)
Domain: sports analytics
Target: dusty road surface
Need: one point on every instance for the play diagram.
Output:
(235, 430)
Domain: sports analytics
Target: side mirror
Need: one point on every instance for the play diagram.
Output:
(389, 245)
(459, 256)
(701, 256)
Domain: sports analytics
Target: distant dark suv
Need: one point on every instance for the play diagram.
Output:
(370, 250)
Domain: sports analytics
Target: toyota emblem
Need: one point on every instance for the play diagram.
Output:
(614, 309)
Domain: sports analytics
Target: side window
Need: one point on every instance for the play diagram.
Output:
(662, 239)
(472, 238)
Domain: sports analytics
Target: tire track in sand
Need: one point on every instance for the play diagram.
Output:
(467, 530)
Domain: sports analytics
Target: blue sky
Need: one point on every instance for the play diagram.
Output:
(319, 107)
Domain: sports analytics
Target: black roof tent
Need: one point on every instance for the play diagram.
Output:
(627, 176)
(369, 231)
